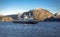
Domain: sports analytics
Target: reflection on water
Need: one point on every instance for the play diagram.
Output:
(42, 29)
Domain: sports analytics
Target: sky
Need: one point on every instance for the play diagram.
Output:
(8, 7)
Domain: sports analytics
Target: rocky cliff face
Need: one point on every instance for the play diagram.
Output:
(41, 14)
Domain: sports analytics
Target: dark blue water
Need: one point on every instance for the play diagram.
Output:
(41, 29)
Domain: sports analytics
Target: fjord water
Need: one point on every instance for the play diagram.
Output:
(41, 29)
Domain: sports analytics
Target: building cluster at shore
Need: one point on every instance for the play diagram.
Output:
(36, 14)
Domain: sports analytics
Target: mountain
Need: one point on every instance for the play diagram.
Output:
(28, 14)
(6, 18)
(41, 14)
(38, 14)
(57, 15)
(55, 18)
(14, 16)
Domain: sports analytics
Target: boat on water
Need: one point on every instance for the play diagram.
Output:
(27, 22)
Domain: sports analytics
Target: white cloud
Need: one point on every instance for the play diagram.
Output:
(12, 11)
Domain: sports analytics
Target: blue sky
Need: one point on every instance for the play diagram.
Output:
(16, 6)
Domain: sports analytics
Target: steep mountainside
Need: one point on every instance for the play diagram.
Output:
(41, 14)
